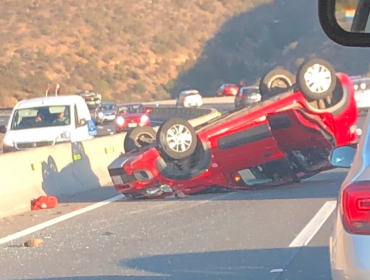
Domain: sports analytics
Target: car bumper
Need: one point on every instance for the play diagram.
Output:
(363, 103)
(9, 149)
(128, 126)
(349, 275)
(349, 254)
(106, 118)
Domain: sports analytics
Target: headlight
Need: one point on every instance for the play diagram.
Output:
(8, 141)
(100, 115)
(144, 119)
(64, 137)
(120, 121)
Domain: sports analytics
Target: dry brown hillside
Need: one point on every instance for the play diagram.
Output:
(124, 49)
(278, 33)
(146, 49)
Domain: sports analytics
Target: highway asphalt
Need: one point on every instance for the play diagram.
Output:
(235, 235)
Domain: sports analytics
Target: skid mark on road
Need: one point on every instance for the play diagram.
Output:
(310, 230)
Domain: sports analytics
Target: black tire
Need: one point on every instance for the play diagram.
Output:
(139, 137)
(276, 81)
(164, 145)
(322, 92)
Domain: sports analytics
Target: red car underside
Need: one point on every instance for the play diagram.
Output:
(278, 141)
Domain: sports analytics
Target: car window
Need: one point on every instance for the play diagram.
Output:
(36, 117)
(109, 107)
(252, 90)
(191, 93)
(131, 109)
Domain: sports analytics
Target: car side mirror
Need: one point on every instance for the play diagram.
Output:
(148, 110)
(345, 22)
(342, 157)
(82, 122)
(2, 129)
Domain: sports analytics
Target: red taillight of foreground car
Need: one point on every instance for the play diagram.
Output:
(356, 208)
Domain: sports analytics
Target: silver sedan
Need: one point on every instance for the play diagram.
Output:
(350, 240)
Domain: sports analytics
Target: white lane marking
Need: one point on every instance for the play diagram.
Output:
(100, 127)
(108, 129)
(111, 133)
(59, 219)
(310, 230)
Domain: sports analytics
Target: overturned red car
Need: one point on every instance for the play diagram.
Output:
(282, 139)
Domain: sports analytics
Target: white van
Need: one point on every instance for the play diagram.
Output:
(47, 121)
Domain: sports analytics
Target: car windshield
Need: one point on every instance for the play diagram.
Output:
(109, 107)
(131, 109)
(45, 116)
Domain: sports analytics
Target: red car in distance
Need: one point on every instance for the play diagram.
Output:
(131, 115)
(228, 90)
(286, 137)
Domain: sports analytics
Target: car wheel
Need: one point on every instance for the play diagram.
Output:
(276, 81)
(177, 138)
(139, 137)
(316, 79)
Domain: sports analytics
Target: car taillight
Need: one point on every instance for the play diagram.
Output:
(236, 177)
(183, 99)
(356, 208)
(243, 96)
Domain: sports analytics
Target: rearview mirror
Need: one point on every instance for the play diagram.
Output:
(346, 22)
(2, 129)
(342, 157)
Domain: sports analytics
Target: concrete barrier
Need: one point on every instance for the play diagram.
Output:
(62, 170)
(164, 113)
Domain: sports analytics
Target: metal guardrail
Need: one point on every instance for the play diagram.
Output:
(161, 109)
(179, 110)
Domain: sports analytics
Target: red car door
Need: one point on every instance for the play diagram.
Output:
(250, 145)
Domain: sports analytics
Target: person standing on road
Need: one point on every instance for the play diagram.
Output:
(241, 84)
